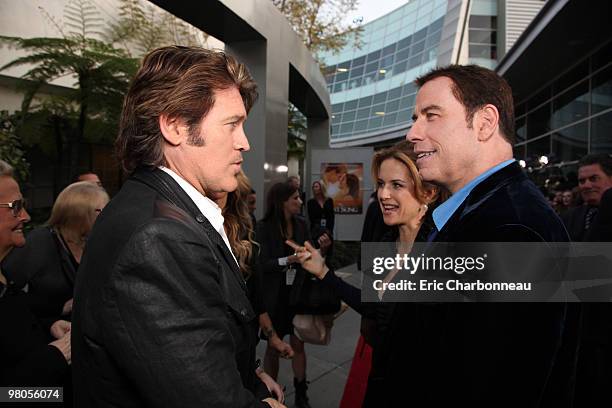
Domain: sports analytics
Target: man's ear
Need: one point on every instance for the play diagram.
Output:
(173, 129)
(486, 122)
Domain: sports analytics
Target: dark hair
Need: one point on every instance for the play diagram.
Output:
(279, 193)
(474, 87)
(179, 82)
(352, 181)
(603, 159)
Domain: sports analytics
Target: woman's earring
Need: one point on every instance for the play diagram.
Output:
(425, 208)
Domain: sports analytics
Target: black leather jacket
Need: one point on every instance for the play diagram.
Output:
(161, 314)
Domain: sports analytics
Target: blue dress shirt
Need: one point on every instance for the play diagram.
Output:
(442, 214)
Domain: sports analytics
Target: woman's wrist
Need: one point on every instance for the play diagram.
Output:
(323, 272)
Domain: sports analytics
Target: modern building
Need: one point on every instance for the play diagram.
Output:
(371, 87)
(254, 31)
(560, 70)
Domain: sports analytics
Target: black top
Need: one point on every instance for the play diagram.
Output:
(48, 268)
(321, 218)
(26, 358)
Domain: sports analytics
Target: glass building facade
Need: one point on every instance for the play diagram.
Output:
(371, 87)
(571, 115)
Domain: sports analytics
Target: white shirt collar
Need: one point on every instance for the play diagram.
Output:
(207, 207)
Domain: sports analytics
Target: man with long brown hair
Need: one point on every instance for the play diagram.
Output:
(161, 316)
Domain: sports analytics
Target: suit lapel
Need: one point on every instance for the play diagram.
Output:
(171, 191)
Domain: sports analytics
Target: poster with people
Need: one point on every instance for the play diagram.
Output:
(342, 182)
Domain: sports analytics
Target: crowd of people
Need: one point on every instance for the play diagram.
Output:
(160, 296)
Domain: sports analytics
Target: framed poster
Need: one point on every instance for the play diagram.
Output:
(343, 184)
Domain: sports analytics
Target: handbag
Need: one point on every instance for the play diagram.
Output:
(311, 296)
(313, 329)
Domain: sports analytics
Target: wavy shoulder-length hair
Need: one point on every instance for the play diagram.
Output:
(403, 152)
(238, 223)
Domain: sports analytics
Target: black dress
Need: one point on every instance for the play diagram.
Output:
(277, 295)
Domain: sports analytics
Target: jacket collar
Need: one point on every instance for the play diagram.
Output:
(169, 189)
(485, 189)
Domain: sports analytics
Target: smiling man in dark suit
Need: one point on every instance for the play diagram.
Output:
(161, 314)
(478, 354)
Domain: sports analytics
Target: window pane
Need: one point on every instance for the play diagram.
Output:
(394, 93)
(602, 90)
(348, 116)
(392, 106)
(483, 51)
(388, 50)
(540, 147)
(571, 106)
(381, 97)
(483, 37)
(402, 55)
(419, 35)
(404, 43)
(415, 61)
(361, 125)
(346, 128)
(574, 76)
(571, 143)
(538, 122)
(350, 105)
(373, 56)
(363, 113)
(389, 119)
(359, 61)
(366, 101)
(375, 123)
(601, 129)
(483, 21)
(356, 72)
(418, 47)
(400, 67)
(372, 67)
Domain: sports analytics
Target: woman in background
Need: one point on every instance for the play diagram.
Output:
(321, 213)
(31, 353)
(280, 270)
(48, 262)
(239, 230)
(404, 201)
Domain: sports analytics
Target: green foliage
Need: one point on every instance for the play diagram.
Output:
(144, 27)
(11, 150)
(101, 73)
(320, 23)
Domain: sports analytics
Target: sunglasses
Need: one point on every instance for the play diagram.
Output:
(16, 206)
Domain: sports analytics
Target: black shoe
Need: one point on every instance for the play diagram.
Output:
(301, 399)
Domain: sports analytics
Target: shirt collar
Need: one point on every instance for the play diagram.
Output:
(442, 214)
(207, 207)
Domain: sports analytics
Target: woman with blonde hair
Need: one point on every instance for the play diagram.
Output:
(48, 262)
